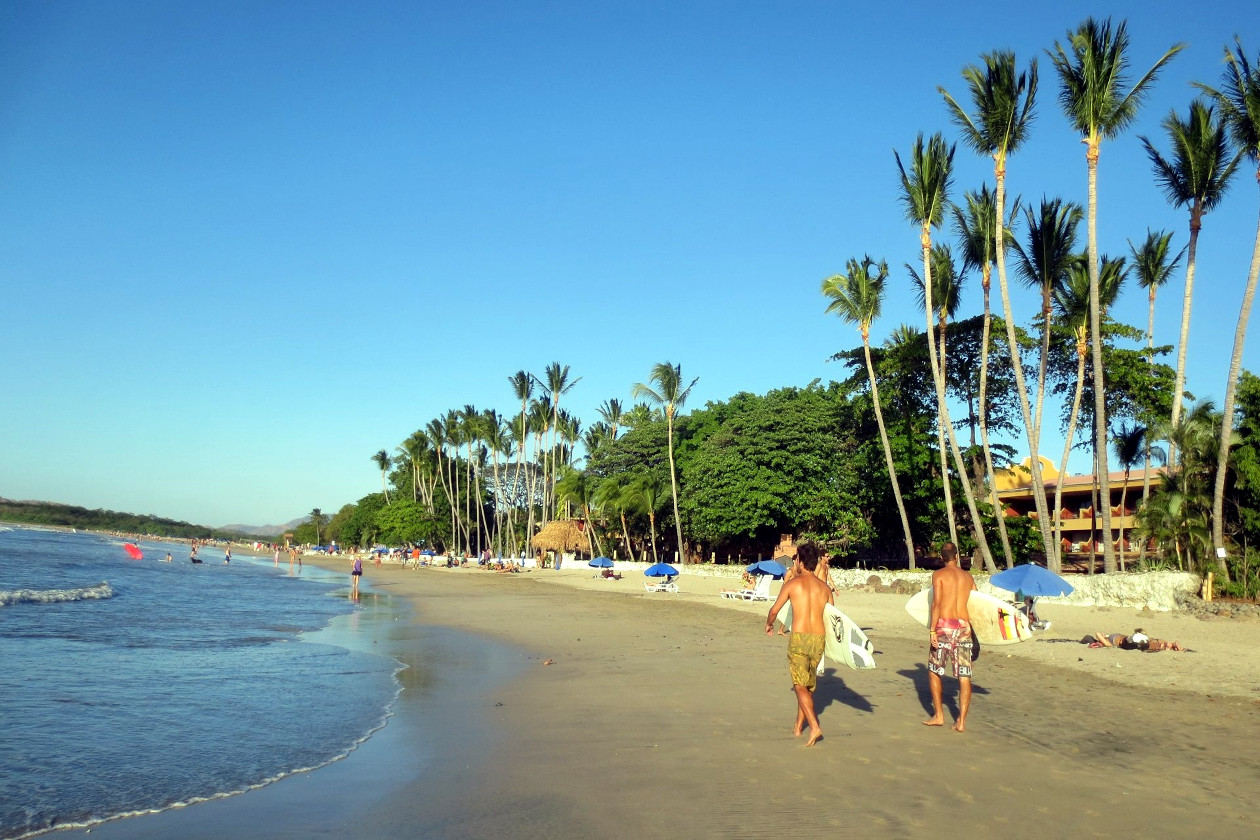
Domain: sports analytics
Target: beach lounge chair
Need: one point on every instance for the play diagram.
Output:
(666, 585)
(760, 592)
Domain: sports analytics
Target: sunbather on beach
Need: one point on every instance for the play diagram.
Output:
(1135, 641)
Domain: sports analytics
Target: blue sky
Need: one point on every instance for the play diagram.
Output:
(244, 246)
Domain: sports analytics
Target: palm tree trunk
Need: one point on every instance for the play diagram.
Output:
(1179, 383)
(652, 526)
(1100, 385)
(1227, 420)
(625, 533)
(1124, 490)
(1067, 451)
(1021, 388)
(999, 512)
(940, 446)
(888, 457)
(938, 376)
(673, 485)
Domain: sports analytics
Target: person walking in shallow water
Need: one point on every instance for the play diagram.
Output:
(949, 635)
(809, 596)
(356, 572)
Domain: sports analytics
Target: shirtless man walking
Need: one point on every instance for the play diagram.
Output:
(808, 596)
(950, 635)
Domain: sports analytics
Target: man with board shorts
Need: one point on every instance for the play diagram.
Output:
(809, 597)
(949, 635)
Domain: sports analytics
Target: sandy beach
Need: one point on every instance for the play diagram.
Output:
(667, 715)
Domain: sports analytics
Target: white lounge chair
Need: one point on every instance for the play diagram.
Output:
(666, 585)
(760, 592)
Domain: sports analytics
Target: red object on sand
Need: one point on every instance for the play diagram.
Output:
(134, 551)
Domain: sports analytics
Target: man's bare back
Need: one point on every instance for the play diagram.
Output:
(809, 596)
(951, 587)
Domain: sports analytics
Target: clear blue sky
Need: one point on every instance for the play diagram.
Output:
(244, 246)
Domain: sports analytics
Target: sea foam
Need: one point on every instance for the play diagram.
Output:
(9, 597)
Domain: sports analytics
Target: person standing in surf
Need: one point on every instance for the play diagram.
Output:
(809, 596)
(949, 635)
(356, 572)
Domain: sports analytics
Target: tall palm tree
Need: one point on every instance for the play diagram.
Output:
(1044, 266)
(557, 385)
(381, 459)
(976, 226)
(1092, 70)
(945, 296)
(857, 297)
(1072, 302)
(614, 494)
(1003, 99)
(1239, 101)
(1129, 443)
(669, 395)
(925, 189)
(1197, 176)
(454, 436)
(523, 389)
(1153, 263)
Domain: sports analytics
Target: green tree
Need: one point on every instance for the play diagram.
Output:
(1092, 72)
(670, 396)
(1239, 101)
(381, 459)
(317, 521)
(857, 296)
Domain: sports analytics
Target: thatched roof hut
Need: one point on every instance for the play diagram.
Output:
(563, 535)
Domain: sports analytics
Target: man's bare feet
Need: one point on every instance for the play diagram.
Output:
(796, 733)
(814, 737)
(959, 726)
(934, 720)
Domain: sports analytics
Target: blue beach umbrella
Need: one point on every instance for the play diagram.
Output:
(660, 570)
(767, 567)
(601, 563)
(1031, 579)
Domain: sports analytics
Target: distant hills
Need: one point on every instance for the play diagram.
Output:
(265, 530)
(72, 516)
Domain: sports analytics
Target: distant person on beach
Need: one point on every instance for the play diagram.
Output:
(227, 556)
(356, 572)
(809, 596)
(276, 558)
(949, 635)
(1136, 641)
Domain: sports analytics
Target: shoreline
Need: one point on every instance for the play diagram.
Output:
(666, 715)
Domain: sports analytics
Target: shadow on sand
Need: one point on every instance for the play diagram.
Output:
(832, 689)
(949, 694)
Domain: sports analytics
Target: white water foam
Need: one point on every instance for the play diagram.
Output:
(9, 597)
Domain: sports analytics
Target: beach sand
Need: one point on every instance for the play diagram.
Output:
(670, 716)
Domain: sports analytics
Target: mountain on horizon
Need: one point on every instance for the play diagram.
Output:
(265, 530)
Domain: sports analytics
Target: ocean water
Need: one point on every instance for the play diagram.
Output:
(133, 686)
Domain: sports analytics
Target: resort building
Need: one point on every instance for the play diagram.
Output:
(1080, 525)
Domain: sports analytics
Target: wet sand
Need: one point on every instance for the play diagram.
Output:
(670, 716)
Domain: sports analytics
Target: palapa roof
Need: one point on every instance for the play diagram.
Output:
(562, 535)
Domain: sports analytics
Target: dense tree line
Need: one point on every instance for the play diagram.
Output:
(70, 516)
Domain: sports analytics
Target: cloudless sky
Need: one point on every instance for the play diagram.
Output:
(245, 245)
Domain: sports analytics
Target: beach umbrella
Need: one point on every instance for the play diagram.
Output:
(133, 551)
(767, 567)
(660, 570)
(1031, 579)
(601, 563)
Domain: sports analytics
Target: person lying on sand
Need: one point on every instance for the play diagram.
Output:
(1136, 641)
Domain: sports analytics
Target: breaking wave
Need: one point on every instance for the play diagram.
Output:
(8, 597)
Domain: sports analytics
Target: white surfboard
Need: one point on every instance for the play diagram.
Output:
(844, 640)
(994, 621)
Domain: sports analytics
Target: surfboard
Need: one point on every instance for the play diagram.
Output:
(844, 641)
(994, 621)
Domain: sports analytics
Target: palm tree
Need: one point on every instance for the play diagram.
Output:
(1239, 101)
(381, 459)
(1072, 302)
(1044, 267)
(925, 193)
(557, 385)
(1197, 176)
(976, 227)
(1092, 72)
(857, 297)
(610, 413)
(614, 494)
(1154, 266)
(670, 396)
(574, 488)
(945, 295)
(1184, 501)
(523, 389)
(317, 519)
(1003, 99)
(647, 492)
(1129, 444)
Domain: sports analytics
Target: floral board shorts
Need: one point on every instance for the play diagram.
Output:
(804, 652)
(953, 645)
